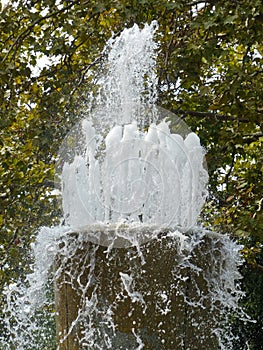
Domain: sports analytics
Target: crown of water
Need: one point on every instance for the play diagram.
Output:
(121, 171)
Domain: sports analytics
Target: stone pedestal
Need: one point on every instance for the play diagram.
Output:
(159, 296)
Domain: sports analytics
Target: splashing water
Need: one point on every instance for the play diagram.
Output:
(128, 182)
(121, 173)
(144, 180)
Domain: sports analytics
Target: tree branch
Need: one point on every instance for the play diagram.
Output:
(198, 114)
(227, 176)
(81, 79)
(252, 137)
(27, 30)
(256, 267)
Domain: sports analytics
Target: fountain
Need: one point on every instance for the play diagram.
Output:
(130, 266)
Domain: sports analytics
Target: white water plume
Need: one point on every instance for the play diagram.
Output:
(143, 179)
(129, 83)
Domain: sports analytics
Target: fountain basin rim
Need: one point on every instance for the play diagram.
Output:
(124, 235)
(120, 235)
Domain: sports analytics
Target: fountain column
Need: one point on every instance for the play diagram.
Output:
(164, 298)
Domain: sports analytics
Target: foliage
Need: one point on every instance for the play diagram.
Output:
(210, 73)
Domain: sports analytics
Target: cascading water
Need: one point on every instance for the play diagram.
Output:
(130, 267)
(146, 181)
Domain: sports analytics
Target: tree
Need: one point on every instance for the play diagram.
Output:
(210, 74)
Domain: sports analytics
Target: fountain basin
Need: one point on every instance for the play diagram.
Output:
(170, 293)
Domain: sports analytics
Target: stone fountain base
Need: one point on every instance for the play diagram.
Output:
(163, 295)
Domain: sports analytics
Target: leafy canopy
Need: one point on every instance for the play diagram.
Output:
(210, 74)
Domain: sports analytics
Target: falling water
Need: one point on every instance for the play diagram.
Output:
(138, 271)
